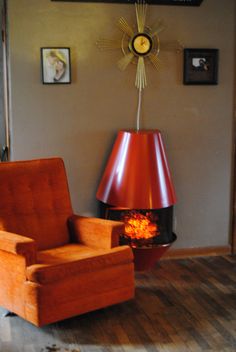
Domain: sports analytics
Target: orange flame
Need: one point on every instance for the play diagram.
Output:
(140, 226)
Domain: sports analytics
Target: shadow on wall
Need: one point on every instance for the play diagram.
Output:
(4, 153)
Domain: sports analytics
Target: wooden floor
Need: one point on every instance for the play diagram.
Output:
(181, 305)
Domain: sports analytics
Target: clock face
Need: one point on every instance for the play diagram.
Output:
(141, 44)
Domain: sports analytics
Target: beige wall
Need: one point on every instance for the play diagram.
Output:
(2, 125)
(79, 121)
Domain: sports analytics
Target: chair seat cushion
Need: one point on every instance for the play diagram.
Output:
(65, 261)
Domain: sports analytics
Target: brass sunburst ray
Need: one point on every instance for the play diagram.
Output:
(155, 61)
(108, 44)
(125, 61)
(157, 27)
(141, 80)
(172, 45)
(125, 27)
(141, 10)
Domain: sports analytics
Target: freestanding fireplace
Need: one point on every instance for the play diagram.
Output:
(136, 188)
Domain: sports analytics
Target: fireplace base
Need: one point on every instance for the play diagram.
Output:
(146, 257)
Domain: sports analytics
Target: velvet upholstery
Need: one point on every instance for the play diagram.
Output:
(55, 264)
(70, 260)
(35, 201)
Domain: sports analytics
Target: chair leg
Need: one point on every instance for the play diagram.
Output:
(7, 313)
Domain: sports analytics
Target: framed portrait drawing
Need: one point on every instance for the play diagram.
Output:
(55, 65)
(200, 66)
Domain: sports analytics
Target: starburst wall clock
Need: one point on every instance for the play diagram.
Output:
(139, 43)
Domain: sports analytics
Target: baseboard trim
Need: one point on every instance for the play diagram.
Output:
(178, 253)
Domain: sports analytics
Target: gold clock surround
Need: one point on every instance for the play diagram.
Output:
(139, 44)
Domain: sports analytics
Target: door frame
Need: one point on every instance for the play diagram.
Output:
(4, 153)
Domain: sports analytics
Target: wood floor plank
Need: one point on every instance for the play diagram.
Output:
(182, 305)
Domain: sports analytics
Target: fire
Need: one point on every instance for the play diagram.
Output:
(140, 226)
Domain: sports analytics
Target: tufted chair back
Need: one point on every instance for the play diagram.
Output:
(35, 200)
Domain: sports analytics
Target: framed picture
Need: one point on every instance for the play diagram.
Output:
(200, 66)
(150, 2)
(56, 67)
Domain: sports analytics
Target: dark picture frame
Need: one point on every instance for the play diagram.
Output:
(55, 65)
(200, 66)
(150, 2)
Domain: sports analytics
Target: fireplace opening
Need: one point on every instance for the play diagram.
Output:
(147, 231)
(143, 227)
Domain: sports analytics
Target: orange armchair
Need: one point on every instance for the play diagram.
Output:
(54, 264)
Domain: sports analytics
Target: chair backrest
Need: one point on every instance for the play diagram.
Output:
(35, 200)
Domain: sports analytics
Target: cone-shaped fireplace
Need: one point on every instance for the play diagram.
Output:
(137, 175)
(137, 179)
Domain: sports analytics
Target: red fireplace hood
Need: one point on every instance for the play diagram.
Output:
(137, 175)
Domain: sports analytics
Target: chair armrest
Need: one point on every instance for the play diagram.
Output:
(95, 232)
(17, 244)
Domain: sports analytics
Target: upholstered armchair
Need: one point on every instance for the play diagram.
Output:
(54, 264)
